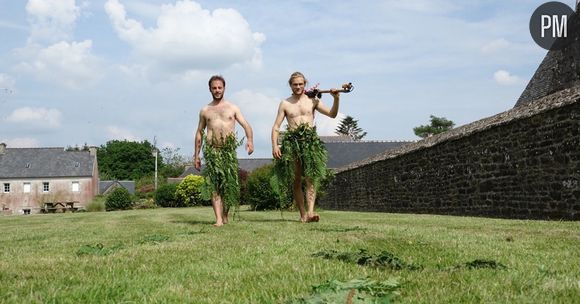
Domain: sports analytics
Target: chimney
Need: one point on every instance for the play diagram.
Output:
(2, 148)
(93, 151)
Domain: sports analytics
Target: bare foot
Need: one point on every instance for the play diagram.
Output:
(314, 218)
(303, 219)
(226, 219)
(218, 224)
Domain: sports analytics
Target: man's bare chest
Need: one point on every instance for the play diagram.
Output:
(299, 109)
(220, 114)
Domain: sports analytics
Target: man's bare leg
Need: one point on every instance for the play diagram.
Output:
(310, 200)
(297, 191)
(225, 216)
(218, 209)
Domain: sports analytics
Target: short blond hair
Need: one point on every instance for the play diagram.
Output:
(296, 75)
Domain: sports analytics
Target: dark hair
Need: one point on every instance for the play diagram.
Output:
(216, 77)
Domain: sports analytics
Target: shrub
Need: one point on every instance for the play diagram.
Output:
(97, 204)
(165, 196)
(119, 199)
(243, 178)
(145, 203)
(260, 194)
(188, 192)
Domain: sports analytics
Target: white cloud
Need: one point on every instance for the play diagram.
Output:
(114, 132)
(71, 65)
(51, 20)
(21, 142)
(6, 83)
(503, 77)
(495, 46)
(36, 116)
(325, 126)
(259, 110)
(188, 37)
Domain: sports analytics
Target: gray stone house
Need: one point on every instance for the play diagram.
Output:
(30, 177)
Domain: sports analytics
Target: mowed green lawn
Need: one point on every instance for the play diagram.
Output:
(176, 256)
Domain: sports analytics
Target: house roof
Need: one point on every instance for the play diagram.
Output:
(344, 153)
(104, 186)
(246, 164)
(45, 162)
(335, 138)
(559, 70)
(251, 164)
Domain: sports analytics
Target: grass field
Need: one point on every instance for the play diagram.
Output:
(176, 256)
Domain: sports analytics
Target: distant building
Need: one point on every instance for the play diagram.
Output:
(343, 150)
(106, 187)
(30, 177)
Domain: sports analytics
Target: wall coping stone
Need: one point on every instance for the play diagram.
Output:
(553, 101)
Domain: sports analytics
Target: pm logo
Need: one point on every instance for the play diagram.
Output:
(552, 25)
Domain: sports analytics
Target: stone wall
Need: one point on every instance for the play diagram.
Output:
(523, 163)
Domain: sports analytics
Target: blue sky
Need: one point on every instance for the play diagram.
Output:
(75, 72)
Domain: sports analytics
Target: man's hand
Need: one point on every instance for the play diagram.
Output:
(334, 93)
(250, 147)
(197, 163)
(276, 152)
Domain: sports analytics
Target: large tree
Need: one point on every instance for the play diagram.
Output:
(127, 159)
(438, 125)
(349, 126)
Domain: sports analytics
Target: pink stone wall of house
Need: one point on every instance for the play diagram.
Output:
(60, 189)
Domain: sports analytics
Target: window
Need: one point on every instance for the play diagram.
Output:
(45, 187)
(6, 187)
(26, 188)
(75, 187)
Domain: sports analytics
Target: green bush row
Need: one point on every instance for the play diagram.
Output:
(256, 191)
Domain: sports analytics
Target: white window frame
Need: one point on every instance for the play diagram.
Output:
(45, 187)
(26, 186)
(77, 188)
(6, 188)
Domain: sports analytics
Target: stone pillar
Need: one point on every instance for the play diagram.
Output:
(2, 148)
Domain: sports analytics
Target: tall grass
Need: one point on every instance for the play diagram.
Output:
(176, 256)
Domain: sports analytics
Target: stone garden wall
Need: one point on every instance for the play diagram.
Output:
(522, 163)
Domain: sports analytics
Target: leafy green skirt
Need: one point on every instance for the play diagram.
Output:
(300, 144)
(221, 170)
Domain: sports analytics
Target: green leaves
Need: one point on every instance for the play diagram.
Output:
(353, 291)
(383, 259)
(438, 125)
(300, 144)
(221, 169)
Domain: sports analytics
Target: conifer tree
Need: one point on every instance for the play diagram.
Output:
(349, 126)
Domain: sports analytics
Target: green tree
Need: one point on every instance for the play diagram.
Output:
(173, 162)
(438, 125)
(349, 126)
(127, 159)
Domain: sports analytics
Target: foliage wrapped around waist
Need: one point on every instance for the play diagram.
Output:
(221, 169)
(300, 144)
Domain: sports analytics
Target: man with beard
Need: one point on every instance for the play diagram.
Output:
(220, 173)
(302, 155)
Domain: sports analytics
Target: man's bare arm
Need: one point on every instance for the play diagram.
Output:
(334, 110)
(198, 141)
(247, 129)
(276, 130)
